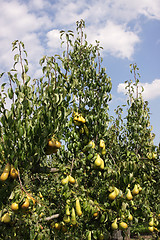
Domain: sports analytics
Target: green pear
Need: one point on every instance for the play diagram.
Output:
(66, 218)
(73, 217)
(89, 235)
(67, 210)
(114, 225)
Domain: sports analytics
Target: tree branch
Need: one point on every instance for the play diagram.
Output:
(51, 217)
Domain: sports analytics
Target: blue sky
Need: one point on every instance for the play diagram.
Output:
(129, 32)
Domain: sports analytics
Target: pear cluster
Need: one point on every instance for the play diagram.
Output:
(9, 170)
(69, 218)
(52, 146)
(68, 179)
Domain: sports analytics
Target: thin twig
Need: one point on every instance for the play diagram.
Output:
(23, 189)
(72, 165)
(20, 54)
(113, 160)
(51, 217)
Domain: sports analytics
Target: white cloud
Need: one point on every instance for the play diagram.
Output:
(108, 21)
(16, 22)
(68, 12)
(53, 39)
(37, 4)
(115, 39)
(93, 11)
(151, 90)
(36, 23)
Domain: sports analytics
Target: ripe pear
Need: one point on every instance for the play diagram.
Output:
(78, 207)
(4, 176)
(139, 188)
(71, 179)
(98, 161)
(102, 144)
(129, 195)
(151, 222)
(112, 195)
(6, 218)
(92, 144)
(154, 155)
(65, 180)
(102, 165)
(130, 218)
(13, 173)
(151, 229)
(57, 226)
(117, 191)
(123, 225)
(5, 173)
(114, 225)
(103, 151)
(135, 190)
(73, 217)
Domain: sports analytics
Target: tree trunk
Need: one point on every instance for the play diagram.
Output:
(116, 235)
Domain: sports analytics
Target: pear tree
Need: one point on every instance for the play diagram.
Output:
(69, 170)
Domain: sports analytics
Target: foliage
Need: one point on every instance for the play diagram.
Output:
(75, 191)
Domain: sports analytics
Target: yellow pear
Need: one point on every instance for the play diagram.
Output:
(112, 195)
(65, 180)
(5, 173)
(102, 144)
(139, 187)
(135, 190)
(114, 225)
(71, 179)
(102, 164)
(4, 176)
(57, 226)
(78, 207)
(151, 229)
(151, 222)
(130, 217)
(129, 195)
(6, 218)
(98, 161)
(154, 155)
(117, 191)
(103, 151)
(92, 144)
(123, 225)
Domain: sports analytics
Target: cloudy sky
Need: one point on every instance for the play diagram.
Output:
(128, 30)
